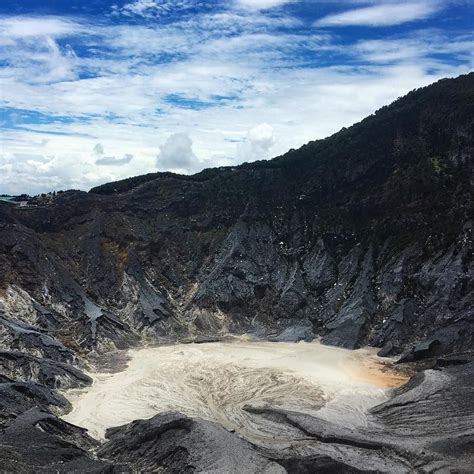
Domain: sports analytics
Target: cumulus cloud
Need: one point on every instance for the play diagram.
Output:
(42, 173)
(113, 161)
(258, 143)
(384, 14)
(176, 154)
(64, 161)
(261, 137)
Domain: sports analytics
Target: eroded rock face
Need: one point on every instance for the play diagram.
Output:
(23, 367)
(238, 277)
(437, 406)
(176, 443)
(18, 397)
(426, 426)
(33, 439)
(36, 441)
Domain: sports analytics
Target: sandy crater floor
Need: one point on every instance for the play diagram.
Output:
(216, 381)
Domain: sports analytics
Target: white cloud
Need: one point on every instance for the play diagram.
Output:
(384, 14)
(176, 154)
(242, 66)
(102, 160)
(156, 8)
(262, 4)
(29, 48)
(113, 161)
(139, 7)
(257, 144)
(412, 48)
(41, 172)
(261, 136)
(19, 27)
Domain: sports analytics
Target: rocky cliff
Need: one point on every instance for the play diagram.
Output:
(363, 238)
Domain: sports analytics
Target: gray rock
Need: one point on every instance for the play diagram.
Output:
(171, 442)
(20, 366)
(37, 441)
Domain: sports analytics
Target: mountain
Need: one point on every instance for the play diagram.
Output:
(363, 238)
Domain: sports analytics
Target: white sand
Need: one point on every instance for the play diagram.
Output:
(216, 380)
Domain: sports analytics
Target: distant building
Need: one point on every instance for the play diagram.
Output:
(23, 203)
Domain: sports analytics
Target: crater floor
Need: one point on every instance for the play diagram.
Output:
(226, 381)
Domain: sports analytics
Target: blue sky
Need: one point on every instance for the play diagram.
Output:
(93, 91)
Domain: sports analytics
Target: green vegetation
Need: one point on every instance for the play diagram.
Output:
(404, 172)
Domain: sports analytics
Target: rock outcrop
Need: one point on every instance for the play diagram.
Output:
(176, 443)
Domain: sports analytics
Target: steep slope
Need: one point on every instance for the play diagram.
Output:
(364, 238)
